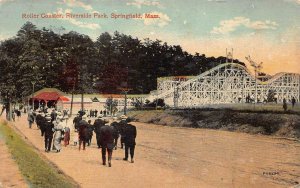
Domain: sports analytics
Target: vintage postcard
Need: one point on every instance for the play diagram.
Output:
(150, 93)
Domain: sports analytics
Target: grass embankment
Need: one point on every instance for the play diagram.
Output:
(247, 121)
(37, 171)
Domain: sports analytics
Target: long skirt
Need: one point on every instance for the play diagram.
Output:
(67, 138)
(57, 140)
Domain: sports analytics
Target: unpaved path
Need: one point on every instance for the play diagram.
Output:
(182, 157)
(10, 175)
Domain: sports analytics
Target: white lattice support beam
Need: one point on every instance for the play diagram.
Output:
(226, 83)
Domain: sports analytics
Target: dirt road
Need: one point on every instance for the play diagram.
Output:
(10, 175)
(182, 157)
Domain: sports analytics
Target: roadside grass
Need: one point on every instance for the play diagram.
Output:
(37, 171)
(239, 107)
(260, 107)
(263, 119)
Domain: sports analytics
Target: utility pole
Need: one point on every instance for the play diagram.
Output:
(110, 106)
(33, 83)
(72, 73)
(72, 99)
(125, 91)
(125, 105)
(82, 101)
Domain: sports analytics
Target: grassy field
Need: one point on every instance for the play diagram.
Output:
(37, 171)
(240, 107)
(267, 119)
(270, 107)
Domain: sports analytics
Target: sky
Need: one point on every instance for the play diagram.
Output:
(267, 30)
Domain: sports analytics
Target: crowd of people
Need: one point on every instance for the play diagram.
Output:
(55, 131)
(52, 128)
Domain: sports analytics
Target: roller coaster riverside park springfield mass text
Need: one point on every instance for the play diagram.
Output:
(150, 93)
(90, 15)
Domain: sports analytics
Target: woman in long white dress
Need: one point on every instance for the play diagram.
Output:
(58, 134)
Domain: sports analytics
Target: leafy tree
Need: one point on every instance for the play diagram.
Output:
(73, 61)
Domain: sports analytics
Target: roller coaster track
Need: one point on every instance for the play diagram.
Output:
(232, 74)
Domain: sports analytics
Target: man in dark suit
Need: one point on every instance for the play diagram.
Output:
(42, 124)
(130, 135)
(48, 127)
(122, 126)
(97, 126)
(96, 112)
(30, 118)
(76, 121)
(38, 119)
(83, 132)
(107, 142)
(115, 125)
(53, 115)
(90, 130)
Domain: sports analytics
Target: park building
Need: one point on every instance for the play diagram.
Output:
(52, 97)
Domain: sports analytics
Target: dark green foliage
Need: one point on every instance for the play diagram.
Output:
(155, 103)
(73, 61)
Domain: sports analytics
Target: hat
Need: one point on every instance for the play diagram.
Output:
(48, 118)
(129, 119)
(100, 116)
(123, 117)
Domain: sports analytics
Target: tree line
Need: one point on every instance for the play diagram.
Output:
(73, 62)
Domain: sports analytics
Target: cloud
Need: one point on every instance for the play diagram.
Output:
(294, 1)
(4, 1)
(76, 3)
(279, 54)
(92, 26)
(162, 21)
(227, 26)
(218, 1)
(4, 37)
(140, 3)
